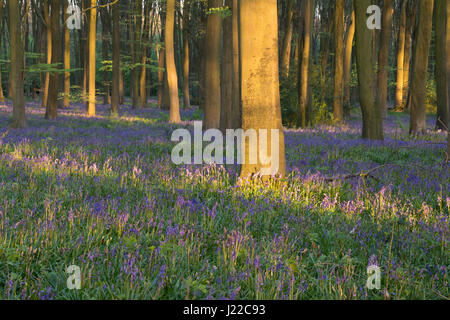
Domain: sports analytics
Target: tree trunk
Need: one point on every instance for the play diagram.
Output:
(55, 78)
(349, 37)
(115, 99)
(226, 110)
(304, 83)
(212, 68)
(172, 78)
(2, 97)
(236, 76)
(401, 58)
(287, 40)
(186, 93)
(49, 51)
(442, 57)
(16, 65)
(383, 59)
(66, 102)
(338, 61)
(419, 77)
(372, 120)
(260, 83)
(410, 26)
(92, 45)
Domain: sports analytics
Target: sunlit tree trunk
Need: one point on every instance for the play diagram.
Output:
(115, 99)
(287, 40)
(66, 101)
(372, 120)
(226, 110)
(2, 97)
(383, 59)
(236, 77)
(186, 21)
(212, 67)
(143, 76)
(49, 51)
(260, 79)
(349, 37)
(304, 82)
(106, 20)
(410, 26)
(92, 45)
(17, 54)
(401, 58)
(55, 77)
(442, 58)
(419, 77)
(339, 61)
(172, 78)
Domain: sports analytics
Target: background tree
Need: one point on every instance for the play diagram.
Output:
(442, 63)
(115, 98)
(55, 76)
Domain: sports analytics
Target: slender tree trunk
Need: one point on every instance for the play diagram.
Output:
(92, 45)
(304, 84)
(419, 77)
(260, 84)
(2, 97)
(226, 110)
(55, 78)
(17, 55)
(383, 59)
(442, 57)
(349, 37)
(49, 51)
(143, 76)
(115, 99)
(66, 101)
(410, 26)
(105, 19)
(212, 68)
(236, 76)
(287, 40)
(401, 58)
(372, 120)
(339, 61)
(186, 94)
(172, 78)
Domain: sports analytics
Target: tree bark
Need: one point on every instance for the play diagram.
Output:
(304, 83)
(442, 57)
(372, 120)
(287, 40)
(401, 58)
(92, 45)
(383, 59)
(66, 101)
(339, 61)
(260, 80)
(419, 77)
(349, 37)
(15, 31)
(55, 77)
(172, 78)
(49, 51)
(186, 90)
(212, 68)
(115, 99)
(226, 110)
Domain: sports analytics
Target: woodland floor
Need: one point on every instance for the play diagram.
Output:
(102, 193)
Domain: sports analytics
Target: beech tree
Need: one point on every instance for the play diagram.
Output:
(371, 113)
(420, 66)
(16, 75)
(260, 79)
